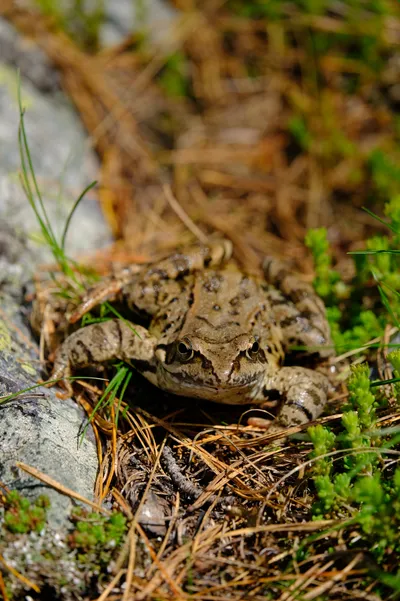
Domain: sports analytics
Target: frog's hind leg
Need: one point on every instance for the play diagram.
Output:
(163, 281)
(115, 339)
(139, 281)
(303, 392)
(188, 260)
(298, 310)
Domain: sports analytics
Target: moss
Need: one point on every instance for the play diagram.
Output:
(69, 566)
(21, 516)
(5, 337)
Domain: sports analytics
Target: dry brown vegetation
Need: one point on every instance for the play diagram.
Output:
(219, 511)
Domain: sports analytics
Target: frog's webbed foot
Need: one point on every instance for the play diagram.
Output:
(304, 393)
(99, 343)
(303, 320)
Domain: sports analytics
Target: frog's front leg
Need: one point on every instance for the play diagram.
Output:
(101, 342)
(303, 391)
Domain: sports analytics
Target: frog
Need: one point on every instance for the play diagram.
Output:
(213, 332)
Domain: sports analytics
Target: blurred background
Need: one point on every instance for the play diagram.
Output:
(264, 118)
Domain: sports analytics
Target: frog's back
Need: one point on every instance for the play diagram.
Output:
(213, 304)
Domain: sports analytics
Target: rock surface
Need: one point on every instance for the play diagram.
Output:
(38, 428)
(25, 55)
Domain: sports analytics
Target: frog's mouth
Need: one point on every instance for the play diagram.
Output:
(232, 393)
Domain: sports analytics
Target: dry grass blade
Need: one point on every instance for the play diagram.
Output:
(131, 562)
(167, 536)
(323, 588)
(303, 527)
(20, 577)
(174, 204)
(3, 591)
(113, 457)
(112, 584)
(302, 581)
(32, 471)
(178, 593)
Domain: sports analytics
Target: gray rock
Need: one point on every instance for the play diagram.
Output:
(33, 63)
(38, 428)
(64, 164)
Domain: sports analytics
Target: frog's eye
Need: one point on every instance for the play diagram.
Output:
(184, 350)
(253, 351)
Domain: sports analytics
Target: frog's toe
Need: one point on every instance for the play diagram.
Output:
(272, 427)
(260, 422)
(61, 374)
(56, 380)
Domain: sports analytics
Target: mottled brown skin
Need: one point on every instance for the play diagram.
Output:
(214, 333)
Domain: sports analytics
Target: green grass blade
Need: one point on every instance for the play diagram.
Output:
(14, 395)
(114, 311)
(374, 252)
(67, 224)
(374, 216)
(111, 389)
(24, 146)
(386, 302)
(121, 396)
(384, 382)
(28, 192)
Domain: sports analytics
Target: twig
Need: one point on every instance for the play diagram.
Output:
(184, 217)
(184, 485)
